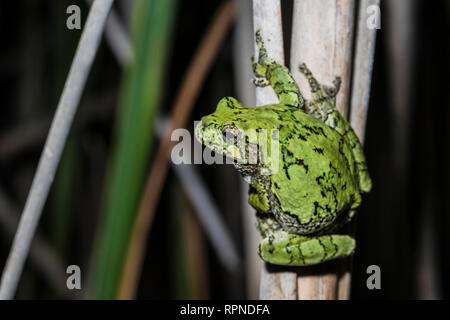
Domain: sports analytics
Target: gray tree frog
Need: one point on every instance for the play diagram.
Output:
(316, 186)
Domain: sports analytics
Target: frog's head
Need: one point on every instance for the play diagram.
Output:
(237, 132)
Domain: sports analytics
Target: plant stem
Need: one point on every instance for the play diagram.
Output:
(322, 37)
(276, 282)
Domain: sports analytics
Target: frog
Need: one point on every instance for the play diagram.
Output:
(308, 187)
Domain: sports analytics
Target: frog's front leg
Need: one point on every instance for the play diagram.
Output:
(267, 71)
(285, 248)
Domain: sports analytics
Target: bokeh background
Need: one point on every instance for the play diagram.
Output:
(402, 225)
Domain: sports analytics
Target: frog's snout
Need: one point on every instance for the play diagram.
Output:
(198, 131)
(205, 131)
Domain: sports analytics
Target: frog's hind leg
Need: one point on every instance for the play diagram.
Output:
(344, 218)
(296, 250)
(267, 71)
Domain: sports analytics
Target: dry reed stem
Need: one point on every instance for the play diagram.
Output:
(275, 283)
(322, 37)
(359, 103)
(50, 157)
(181, 110)
(243, 45)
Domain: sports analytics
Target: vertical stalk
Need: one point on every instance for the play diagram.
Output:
(322, 37)
(276, 283)
(243, 39)
(359, 103)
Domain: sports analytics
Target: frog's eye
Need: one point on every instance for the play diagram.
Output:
(230, 133)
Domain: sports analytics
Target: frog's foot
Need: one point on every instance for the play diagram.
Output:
(292, 249)
(316, 88)
(260, 44)
(257, 197)
(332, 91)
(259, 69)
(260, 65)
(266, 223)
(260, 82)
(277, 76)
(323, 97)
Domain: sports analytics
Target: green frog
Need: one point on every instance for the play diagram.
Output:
(303, 161)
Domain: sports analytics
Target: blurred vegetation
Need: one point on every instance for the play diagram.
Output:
(152, 23)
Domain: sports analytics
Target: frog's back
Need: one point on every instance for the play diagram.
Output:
(316, 177)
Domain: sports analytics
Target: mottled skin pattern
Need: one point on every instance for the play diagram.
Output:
(315, 186)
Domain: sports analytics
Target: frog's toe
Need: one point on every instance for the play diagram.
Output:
(260, 82)
(332, 91)
(337, 82)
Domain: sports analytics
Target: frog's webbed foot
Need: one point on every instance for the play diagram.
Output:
(332, 91)
(323, 102)
(266, 223)
(259, 69)
(260, 66)
(257, 197)
(316, 88)
(292, 249)
(260, 44)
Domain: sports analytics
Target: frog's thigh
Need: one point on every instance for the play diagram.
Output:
(291, 249)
